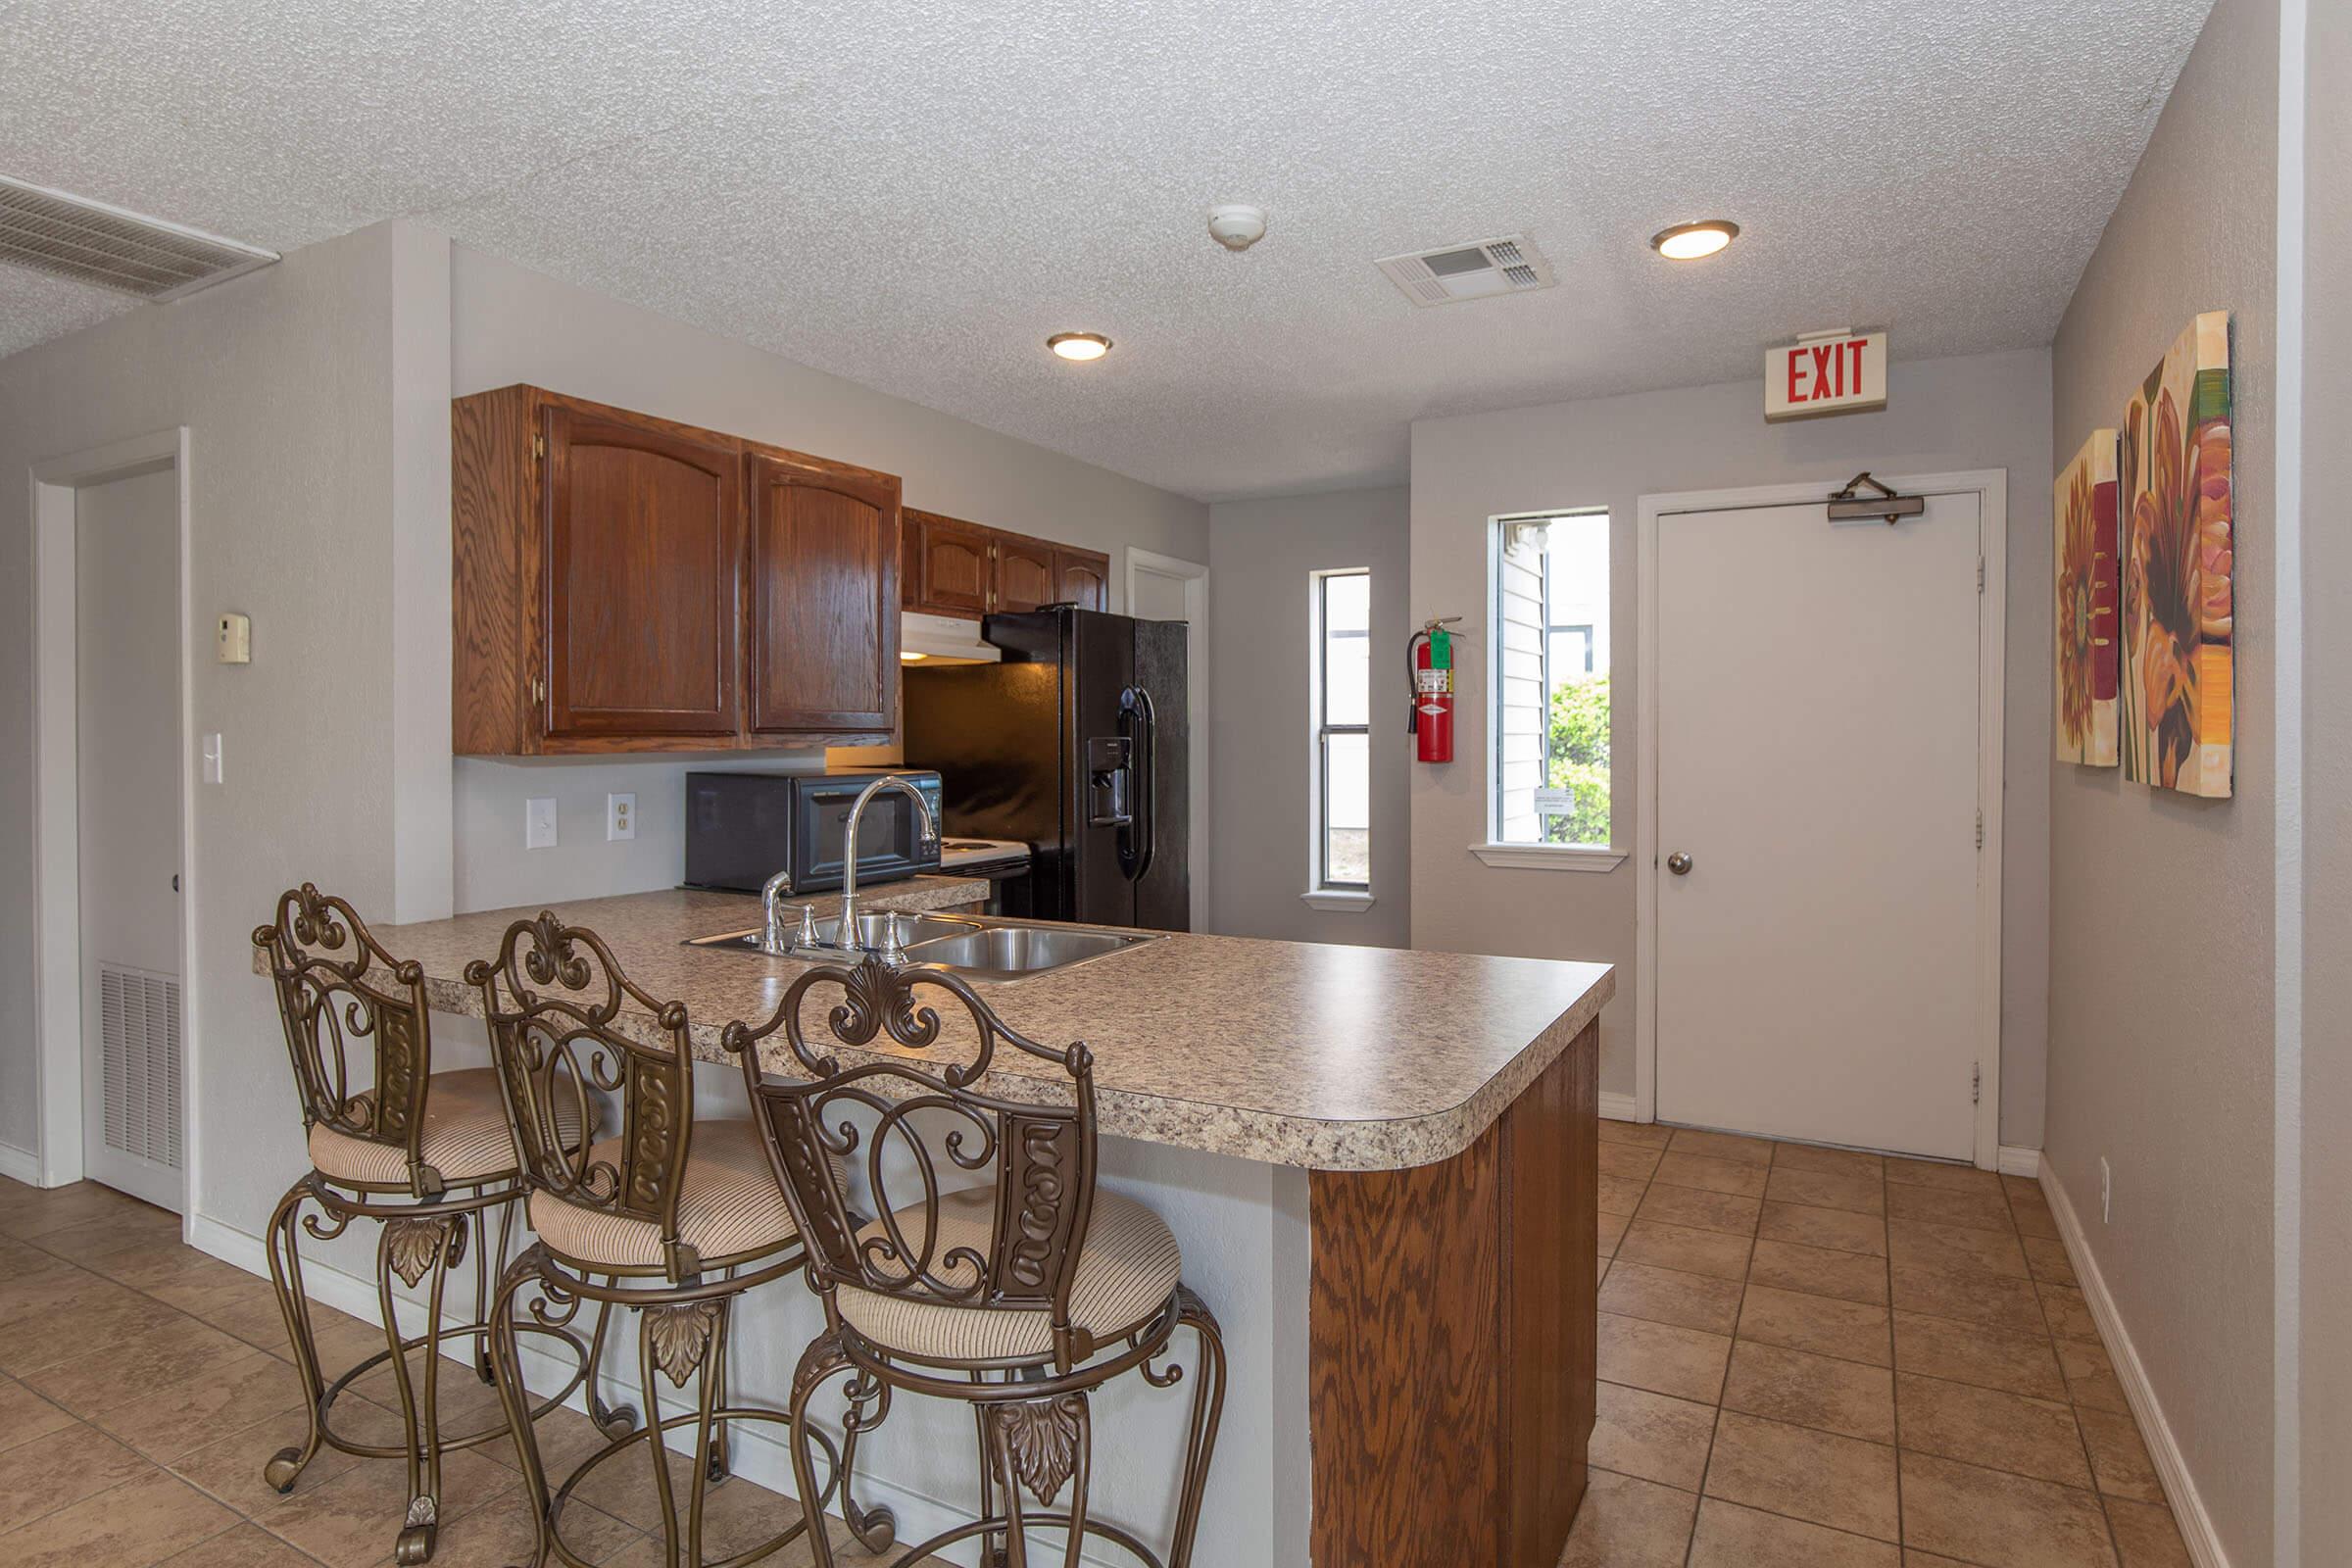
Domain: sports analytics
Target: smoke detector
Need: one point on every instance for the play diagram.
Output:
(1237, 225)
(1510, 264)
(89, 242)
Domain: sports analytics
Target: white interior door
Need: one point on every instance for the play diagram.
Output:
(1817, 718)
(127, 746)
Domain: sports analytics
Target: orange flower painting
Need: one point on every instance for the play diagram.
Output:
(2088, 594)
(2177, 696)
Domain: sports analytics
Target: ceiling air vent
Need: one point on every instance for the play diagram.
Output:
(90, 242)
(1507, 266)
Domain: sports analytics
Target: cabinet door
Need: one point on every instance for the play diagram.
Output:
(1082, 577)
(1024, 572)
(955, 565)
(824, 598)
(644, 541)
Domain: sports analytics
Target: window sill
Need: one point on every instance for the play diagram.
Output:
(1338, 899)
(1550, 857)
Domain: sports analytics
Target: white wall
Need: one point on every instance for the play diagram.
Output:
(510, 324)
(1985, 412)
(284, 381)
(2161, 905)
(1261, 553)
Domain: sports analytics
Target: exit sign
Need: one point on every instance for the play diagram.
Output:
(1826, 372)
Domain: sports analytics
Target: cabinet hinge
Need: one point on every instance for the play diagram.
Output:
(1980, 574)
(538, 691)
(1979, 830)
(1976, 1084)
(539, 450)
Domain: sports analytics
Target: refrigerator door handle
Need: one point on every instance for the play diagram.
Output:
(1137, 839)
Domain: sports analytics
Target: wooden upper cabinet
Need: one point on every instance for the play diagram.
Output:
(644, 537)
(823, 594)
(610, 594)
(956, 571)
(954, 567)
(1081, 577)
(1024, 572)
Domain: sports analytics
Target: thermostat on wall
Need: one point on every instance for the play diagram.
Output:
(236, 640)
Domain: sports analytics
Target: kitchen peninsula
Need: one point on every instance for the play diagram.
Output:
(1381, 1165)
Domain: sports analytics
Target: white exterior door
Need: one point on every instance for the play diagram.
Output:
(128, 741)
(1816, 798)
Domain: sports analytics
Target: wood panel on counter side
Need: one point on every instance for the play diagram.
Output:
(1451, 1341)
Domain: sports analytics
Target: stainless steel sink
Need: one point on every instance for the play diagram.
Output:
(978, 947)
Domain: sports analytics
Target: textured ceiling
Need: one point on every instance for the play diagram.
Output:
(915, 195)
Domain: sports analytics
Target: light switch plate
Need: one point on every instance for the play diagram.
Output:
(233, 638)
(620, 816)
(539, 822)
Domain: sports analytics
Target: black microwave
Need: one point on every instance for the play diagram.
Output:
(743, 828)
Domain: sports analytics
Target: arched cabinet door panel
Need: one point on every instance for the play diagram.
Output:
(824, 590)
(644, 544)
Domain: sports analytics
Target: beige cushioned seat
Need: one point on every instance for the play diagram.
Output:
(1126, 1272)
(466, 1136)
(730, 1205)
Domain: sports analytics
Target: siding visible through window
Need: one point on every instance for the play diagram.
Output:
(1552, 776)
(1342, 718)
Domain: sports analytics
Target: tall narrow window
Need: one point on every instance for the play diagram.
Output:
(1342, 717)
(1552, 680)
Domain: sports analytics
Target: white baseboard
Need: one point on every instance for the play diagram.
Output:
(760, 1455)
(2016, 1161)
(1618, 1107)
(2188, 1508)
(20, 1164)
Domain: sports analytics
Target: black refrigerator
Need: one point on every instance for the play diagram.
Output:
(1076, 745)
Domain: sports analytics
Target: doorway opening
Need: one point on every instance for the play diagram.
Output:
(114, 793)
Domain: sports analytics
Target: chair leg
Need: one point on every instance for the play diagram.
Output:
(285, 1467)
(820, 1361)
(488, 1270)
(614, 1421)
(709, 1464)
(992, 1544)
(716, 1467)
(875, 1529)
(507, 1363)
(1041, 1445)
(1208, 1404)
(414, 1247)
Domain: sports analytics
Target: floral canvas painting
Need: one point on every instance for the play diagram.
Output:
(2088, 601)
(2177, 698)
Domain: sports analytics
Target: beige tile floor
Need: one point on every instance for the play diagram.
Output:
(1809, 1358)
(143, 1384)
(1816, 1358)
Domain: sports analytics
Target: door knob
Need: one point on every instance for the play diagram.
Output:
(1679, 863)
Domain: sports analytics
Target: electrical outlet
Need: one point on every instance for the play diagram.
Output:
(539, 822)
(2106, 1189)
(620, 818)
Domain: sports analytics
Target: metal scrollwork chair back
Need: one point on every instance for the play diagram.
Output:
(330, 973)
(554, 998)
(1043, 1156)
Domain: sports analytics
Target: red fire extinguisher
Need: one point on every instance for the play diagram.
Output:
(1431, 716)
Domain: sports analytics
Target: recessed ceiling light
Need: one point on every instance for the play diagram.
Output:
(1079, 345)
(1687, 242)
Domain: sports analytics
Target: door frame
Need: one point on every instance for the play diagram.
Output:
(1990, 486)
(57, 800)
(1194, 576)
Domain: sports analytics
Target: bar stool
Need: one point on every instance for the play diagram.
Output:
(1019, 1294)
(423, 1154)
(677, 1217)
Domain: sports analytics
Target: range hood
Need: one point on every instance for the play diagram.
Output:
(942, 640)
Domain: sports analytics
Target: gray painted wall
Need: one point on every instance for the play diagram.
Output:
(510, 324)
(1261, 553)
(2161, 905)
(284, 379)
(2327, 1263)
(1985, 411)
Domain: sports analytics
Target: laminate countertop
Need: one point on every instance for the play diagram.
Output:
(1296, 1054)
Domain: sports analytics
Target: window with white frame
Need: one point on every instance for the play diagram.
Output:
(1342, 726)
(1552, 680)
